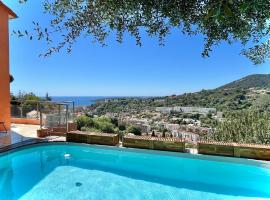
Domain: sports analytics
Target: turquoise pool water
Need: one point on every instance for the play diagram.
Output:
(61, 171)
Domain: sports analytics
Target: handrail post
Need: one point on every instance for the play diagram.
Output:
(40, 113)
(73, 110)
(59, 114)
(37, 109)
(67, 116)
(21, 110)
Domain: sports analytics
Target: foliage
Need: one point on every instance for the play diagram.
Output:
(224, 20)
(104, 124)
(208, 122)
(164, 131)
(122, 127)
(86, 129)
(101, 124)
(244, 127)
(11, 78)
(153, 134)
(231, 97)
(84, 121)
(220, 99)
(135, 130)
(262, 103)
(47, 97)
(23, 96)
(23, 103)
(251, 81)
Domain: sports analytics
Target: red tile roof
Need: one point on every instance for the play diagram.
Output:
(155, 138)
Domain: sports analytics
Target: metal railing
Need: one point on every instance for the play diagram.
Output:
(49, 113)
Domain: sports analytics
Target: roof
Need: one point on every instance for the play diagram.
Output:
(10, 13)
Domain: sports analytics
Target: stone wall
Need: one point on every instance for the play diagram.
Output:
(164, 144)
(93, 138)
(216, 148)
(41, 133)
(72, 126)
(259, 152)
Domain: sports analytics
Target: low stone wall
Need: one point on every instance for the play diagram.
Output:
(155, 143)
(25, 121)
(93, 138)
(259, 152)
(41, 133)
(72, 126)
(216, 148)
(56, 131)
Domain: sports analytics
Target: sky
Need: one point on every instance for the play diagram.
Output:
(120, 69)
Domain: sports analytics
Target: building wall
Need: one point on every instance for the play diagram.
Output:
(200, 110)
(4, 70)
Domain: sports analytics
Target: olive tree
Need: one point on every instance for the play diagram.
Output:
(248, 126)
(243, 21)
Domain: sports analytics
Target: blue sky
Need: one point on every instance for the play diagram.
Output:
(120, 69)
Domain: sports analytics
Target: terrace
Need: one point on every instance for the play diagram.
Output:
(29, 119)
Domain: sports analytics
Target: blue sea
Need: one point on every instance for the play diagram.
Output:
(86, 100)
(80, 100)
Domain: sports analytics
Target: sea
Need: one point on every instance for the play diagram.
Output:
(80, 100)
(87, 100)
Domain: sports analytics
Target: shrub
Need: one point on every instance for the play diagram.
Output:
(106, 127)
(122, 127)
(153, 134)
(245, 127)
(134, 130)
(84, 121)
(99, 124)
(89, 129)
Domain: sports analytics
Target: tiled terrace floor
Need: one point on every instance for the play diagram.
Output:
(21, 133)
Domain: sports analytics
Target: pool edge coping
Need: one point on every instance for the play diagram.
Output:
(234, 160)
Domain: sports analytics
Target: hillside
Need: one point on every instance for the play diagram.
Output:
(245, 93)
(252, 81)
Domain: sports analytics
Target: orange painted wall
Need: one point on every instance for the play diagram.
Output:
(25, 121)
(4, 69)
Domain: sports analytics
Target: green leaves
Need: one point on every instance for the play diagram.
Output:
(228, 10)
(11, 78)
(259, 53)
(100, 124)
(243, 21)
(250, 126)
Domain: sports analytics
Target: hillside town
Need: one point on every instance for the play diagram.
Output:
(187, 123)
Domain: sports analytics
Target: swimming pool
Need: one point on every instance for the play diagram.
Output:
(72, 171)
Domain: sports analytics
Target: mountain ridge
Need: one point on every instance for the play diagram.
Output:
(252, 91)
(250, 81)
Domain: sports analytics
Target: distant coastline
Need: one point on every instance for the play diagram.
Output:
(87, 100)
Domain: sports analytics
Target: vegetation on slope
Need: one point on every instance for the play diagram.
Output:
(104, 125)
(233, 96)
(245, 127)
(98, 124)
(252, 81)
